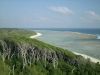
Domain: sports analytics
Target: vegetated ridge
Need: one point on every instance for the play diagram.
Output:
(21, 55)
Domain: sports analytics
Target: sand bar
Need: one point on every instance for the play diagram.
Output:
(80, 35)
(86, 56)
(34, 36)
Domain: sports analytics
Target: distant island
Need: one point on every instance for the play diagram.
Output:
(22, 54)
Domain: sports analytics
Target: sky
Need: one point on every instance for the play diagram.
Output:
(49, 13)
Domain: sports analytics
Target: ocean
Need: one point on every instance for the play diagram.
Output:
(81, 40)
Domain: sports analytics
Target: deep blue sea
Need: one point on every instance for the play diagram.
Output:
(81, 40)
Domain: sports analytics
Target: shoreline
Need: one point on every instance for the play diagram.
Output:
(34, 36)
(92, 59)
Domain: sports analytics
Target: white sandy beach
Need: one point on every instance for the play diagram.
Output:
(86, 56)
(34, 36)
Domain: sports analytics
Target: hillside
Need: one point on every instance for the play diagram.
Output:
(21, 55)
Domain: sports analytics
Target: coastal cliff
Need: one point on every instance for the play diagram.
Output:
(28, 52)
(22, 55)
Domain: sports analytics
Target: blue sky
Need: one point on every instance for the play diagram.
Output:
(50, 13)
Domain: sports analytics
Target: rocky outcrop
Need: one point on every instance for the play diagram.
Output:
(28, 52)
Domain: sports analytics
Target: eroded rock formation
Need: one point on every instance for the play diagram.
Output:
(28, 52)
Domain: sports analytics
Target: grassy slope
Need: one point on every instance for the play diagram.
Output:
(64, 67)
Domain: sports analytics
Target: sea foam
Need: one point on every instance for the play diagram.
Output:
(98, 36)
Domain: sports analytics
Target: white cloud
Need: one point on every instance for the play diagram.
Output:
(63, 10)
(34, 18)
(38, 17)
(92, 15)
(6, 18)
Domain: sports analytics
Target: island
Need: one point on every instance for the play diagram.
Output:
(22, 54)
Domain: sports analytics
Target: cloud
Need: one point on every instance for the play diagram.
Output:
(6, 18)
(32, 17)
(63, 10)
(37, 17)
(92, 15)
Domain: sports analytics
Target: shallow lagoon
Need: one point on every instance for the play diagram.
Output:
(76, 42)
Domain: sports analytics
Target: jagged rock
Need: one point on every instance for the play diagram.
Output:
(28, 52)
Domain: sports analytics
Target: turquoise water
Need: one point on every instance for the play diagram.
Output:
(90, 46)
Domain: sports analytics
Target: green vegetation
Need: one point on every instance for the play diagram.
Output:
(15, 32)
(45, 58)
